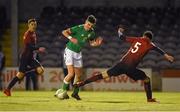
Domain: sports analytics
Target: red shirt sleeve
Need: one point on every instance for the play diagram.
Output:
(27, 38)
(132, 39)
(30, 41)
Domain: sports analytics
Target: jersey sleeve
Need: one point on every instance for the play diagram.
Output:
(29, 43)
(74, 29)
(92, 36)
(32, 46)
(157, 49)
(26, 38)
(131, 39)
(127, 38)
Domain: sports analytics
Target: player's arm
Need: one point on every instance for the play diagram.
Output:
(162, 52)
(32, 46)
(120, 33)
(123, 37)
(67, 33)
(96, 42)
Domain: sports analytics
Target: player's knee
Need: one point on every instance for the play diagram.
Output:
(20, 75)
(70, 75)
(147, 79)
(40, 70)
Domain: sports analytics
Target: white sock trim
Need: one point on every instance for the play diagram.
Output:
(65, 82)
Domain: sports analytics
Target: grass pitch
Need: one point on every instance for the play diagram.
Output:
(91, 101)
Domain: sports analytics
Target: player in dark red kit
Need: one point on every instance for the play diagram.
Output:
(140, 46)
(27, 59)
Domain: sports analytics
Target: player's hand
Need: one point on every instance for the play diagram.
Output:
(99, 41)
(42, 49)
(169, 57)
(121, 30)
(96, 42)
(74, 40)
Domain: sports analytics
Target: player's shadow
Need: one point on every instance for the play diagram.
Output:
(110, 101)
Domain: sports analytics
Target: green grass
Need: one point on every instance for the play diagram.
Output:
(92, 101)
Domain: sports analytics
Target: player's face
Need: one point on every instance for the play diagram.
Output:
(32, 26)
(88, 25)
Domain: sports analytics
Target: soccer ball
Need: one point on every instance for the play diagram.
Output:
(61, 94)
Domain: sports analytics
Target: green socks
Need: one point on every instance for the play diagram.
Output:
(65, 85)
(76, 90)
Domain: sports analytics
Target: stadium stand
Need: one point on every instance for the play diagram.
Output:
(164, 22)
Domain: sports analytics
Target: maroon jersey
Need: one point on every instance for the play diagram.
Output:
(139, 48)
(29, 44)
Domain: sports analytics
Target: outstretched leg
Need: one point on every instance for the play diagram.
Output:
(116, 70)
(95, 77)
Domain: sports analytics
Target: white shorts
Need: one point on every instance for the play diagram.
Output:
(73, 58)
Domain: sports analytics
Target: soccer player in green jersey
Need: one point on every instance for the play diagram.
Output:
(78, 36)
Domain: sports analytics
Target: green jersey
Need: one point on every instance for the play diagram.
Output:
(82, 36)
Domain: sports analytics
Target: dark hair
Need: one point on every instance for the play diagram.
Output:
(91, 19)
(31, 20)
(148, 34)
(121, 26)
